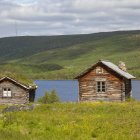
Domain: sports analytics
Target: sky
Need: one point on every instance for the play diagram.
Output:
(60, 17)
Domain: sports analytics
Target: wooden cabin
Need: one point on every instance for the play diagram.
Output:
(15, 92)
(104, 81)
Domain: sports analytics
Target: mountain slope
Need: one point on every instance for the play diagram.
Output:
(62, 57)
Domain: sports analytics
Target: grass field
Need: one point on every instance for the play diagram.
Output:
(63, 57)
(74, 121)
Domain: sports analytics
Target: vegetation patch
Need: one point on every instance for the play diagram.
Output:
(18, 76)
(69, 121)
(49, 97)
(63, 57)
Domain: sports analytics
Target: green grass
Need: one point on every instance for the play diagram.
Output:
(74, 121)
(63, 57)
(18, 76)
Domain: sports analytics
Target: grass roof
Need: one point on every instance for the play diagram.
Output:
(18, 77)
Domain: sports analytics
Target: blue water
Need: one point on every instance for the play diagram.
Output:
(136, 89)
(67, 90)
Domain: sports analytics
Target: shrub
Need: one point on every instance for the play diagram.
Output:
(53, 97)
(44, 99)
(130, 99)
(49, 97)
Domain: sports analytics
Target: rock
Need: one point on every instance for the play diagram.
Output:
(18, 108)
(122, 66)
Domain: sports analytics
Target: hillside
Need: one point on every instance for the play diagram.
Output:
(63, 57)
(73, 121)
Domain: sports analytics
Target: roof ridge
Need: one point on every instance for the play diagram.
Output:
(111, 65)
(119, 71)
(12, 79)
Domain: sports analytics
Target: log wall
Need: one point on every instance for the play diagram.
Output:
(128, 88)
(19, 94)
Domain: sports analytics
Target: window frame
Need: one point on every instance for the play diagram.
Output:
(7, 91)
(99, 70)
(100, 87)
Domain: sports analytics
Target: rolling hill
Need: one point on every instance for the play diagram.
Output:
(63, 57)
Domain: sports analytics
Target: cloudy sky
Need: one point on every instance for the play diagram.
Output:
(54, 17)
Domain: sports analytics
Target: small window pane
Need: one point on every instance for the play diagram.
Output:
(98, 89)
(98, 83)
(5, 94)
(9, 94)
(103, 89)
(103, 83)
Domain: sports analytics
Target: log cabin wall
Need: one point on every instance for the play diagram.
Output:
(19, 95)
(31, 95)
(114, 85)
(128, 88)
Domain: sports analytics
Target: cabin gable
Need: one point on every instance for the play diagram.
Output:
(100, 70)
(13, 93)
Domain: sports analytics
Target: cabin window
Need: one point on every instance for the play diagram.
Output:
(101, 86)
(99, 70)
(7, 92)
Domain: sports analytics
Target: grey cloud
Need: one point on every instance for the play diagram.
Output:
(45, 17)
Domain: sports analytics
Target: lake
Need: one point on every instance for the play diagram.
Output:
(67, 90)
